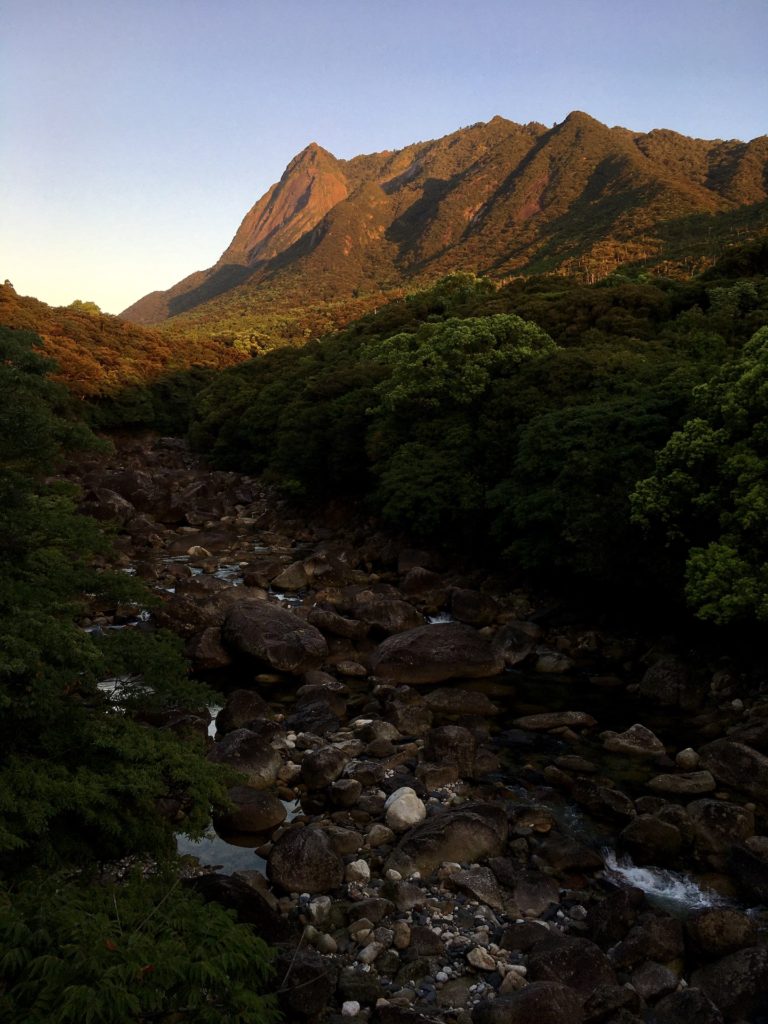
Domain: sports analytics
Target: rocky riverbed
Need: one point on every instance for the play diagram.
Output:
(452, 807)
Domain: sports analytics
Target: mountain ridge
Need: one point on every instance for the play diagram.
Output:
(497, 198)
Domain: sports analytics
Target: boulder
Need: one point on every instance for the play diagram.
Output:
(292, 577)
(452, 702)
(331, 622)
(652, 980)
(653, 937)
(451, 744)
(404, 809)
(555, 720)
(668, 682)
(387, 615)
(240, 708)
(305, 982)
(717, 824)
(474, 607)
(468, 834)
(302, 860)
(718, 931)
(684, 784)
(542, 1002)
(482, 885)
(737, 984)
(208, 652)
(432, 654)
(254, 811)
(533, 892)
(322, 766)
(648, 840)
(252, 904)
(274, 635)
(748, 863)
(637, 741)
(737, 765)
(577, 963)
(610, 919)
(688, 1006)
(515, 641)
(247, 752)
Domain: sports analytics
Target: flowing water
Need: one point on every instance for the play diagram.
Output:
(670, 890)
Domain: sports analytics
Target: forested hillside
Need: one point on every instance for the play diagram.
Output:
(126, 374)
(608, 434)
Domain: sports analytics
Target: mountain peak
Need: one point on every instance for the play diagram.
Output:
(499, 198)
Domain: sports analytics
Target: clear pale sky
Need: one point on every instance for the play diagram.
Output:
(137, 133)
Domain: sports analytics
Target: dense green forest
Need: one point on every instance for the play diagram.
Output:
(85, 780)
(609, 435)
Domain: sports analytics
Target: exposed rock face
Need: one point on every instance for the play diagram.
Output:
(432, 654)
(494, 192)
(302, 860)
(275, 636)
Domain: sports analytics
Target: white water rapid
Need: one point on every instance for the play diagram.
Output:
(666, 887)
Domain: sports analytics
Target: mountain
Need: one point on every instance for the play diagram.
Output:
(496, 198)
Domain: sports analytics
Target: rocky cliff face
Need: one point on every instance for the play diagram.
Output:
(495, 198)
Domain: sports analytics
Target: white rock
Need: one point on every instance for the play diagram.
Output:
(392, 876)
(350, 1009)
(357, 871)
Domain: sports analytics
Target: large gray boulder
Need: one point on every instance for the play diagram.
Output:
(432, 654)
(275, 636)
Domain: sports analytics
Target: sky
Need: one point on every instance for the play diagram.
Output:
(136, 134)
